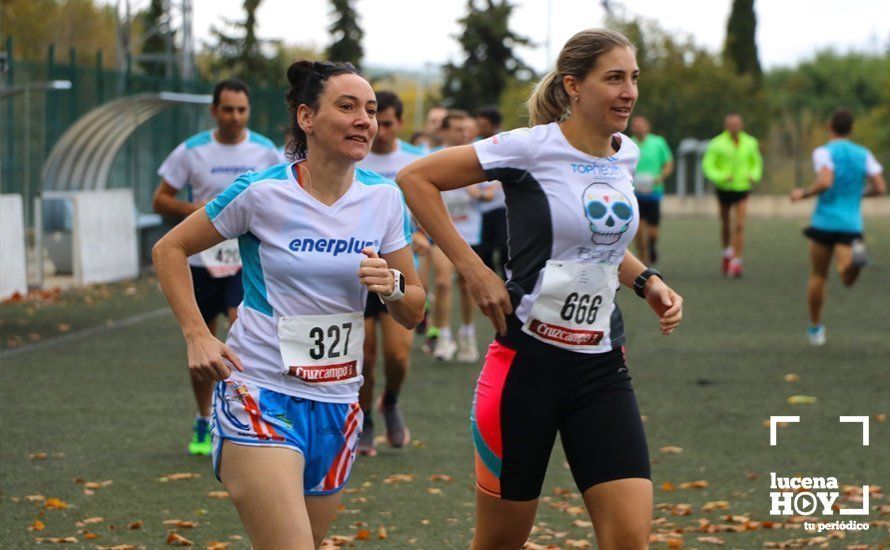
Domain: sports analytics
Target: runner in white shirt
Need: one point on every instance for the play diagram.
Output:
(463, 207)
(204, 165)
(557, 365)
(388, 155)
(315, 237)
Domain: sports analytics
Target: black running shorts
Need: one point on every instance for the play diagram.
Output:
(524, 397)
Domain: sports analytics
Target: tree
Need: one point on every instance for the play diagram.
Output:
(241, 53)
(347, 34)
(490, 62)
(155, 23)
(740, 49)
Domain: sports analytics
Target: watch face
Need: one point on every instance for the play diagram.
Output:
(401, 283)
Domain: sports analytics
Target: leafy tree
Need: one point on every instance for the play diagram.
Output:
(347, 34)
(240, 53)
(155, 23)
(490, 62)
(84, 25)
(740, 49)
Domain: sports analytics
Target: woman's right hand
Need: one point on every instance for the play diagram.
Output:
(207, 358)
(490, 294)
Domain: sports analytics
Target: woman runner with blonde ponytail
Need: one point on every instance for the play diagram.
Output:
(557, 364)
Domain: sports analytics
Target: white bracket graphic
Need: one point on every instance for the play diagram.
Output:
(861, 419)
(773, 420)
(861, 511)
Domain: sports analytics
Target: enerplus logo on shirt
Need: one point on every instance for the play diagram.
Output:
(334, 247)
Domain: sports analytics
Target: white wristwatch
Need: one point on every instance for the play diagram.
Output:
(398, 287)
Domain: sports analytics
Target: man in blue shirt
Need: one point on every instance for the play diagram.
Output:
(842, 170)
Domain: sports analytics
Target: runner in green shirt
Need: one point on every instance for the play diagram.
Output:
(656, 164)
(733, 163)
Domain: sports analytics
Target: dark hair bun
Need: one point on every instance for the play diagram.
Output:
(299, 72)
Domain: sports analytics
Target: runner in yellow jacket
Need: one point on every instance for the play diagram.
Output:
(732, 162)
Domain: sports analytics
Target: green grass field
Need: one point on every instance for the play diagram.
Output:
(115, 405)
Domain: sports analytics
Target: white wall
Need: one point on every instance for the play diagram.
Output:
(104, 236)
(13, 269)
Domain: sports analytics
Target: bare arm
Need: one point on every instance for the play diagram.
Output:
(876, 186)
(422, 183)
(823, 182)
(374, 273)
(666, 303)
(165, 202)
(667, 170)
(170, 254)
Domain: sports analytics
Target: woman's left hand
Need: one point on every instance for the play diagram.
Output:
(374, 273)
(666, 303)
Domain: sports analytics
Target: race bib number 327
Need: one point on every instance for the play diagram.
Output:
(322, 349)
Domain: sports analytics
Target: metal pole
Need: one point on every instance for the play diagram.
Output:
(38, 239)
(27, 183)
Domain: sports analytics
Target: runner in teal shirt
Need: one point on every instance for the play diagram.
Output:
(845, 172)
(656, 164)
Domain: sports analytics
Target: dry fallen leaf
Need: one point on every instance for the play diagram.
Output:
(668, 486)
(90, 521)
(582, 523)
(175, 539)
(790, 378)
(670, 449)
(715, 505)
(90, 535)
(118, 547)
(441, 477)
(363, 534)
(178, 476)
(381, 532)
(712, 540)
(801, 400)
(880, 417)
(37, 526)
(63, 327)
(675, 543)
(575, 511)
(218, 494)
(398, 478)
(135, 524)
(37, 456)
(55, 504)
(434, 490)
(215, 545)
(578, 543)
(35, 498)
(698, 484)
(56, 540)
(180, 523)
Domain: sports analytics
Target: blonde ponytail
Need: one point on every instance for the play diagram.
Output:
(549, 101)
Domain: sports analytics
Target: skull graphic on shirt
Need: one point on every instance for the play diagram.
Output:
(609, 212)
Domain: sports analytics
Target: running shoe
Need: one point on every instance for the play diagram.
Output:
(860, 255)
(366, 445)
(431, 340)
(201, 444)
(816, 334)
(467, 351)
(397, 432)
(445, 349)
(735, 268)
(727, 258)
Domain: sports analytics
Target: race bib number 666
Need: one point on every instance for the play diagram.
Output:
(574, 307)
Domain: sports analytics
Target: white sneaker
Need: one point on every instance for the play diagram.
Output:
(445, 349)
(468, 352)
(816, 335)
(860, 255)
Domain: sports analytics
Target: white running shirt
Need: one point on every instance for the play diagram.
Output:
(565, 207)
(301, 258)
(207, 166)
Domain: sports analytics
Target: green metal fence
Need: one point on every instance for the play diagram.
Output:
(33, 118)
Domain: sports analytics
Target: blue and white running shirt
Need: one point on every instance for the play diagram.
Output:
(301, 258)
(207, 166)
(840, 208)
(388, 165)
